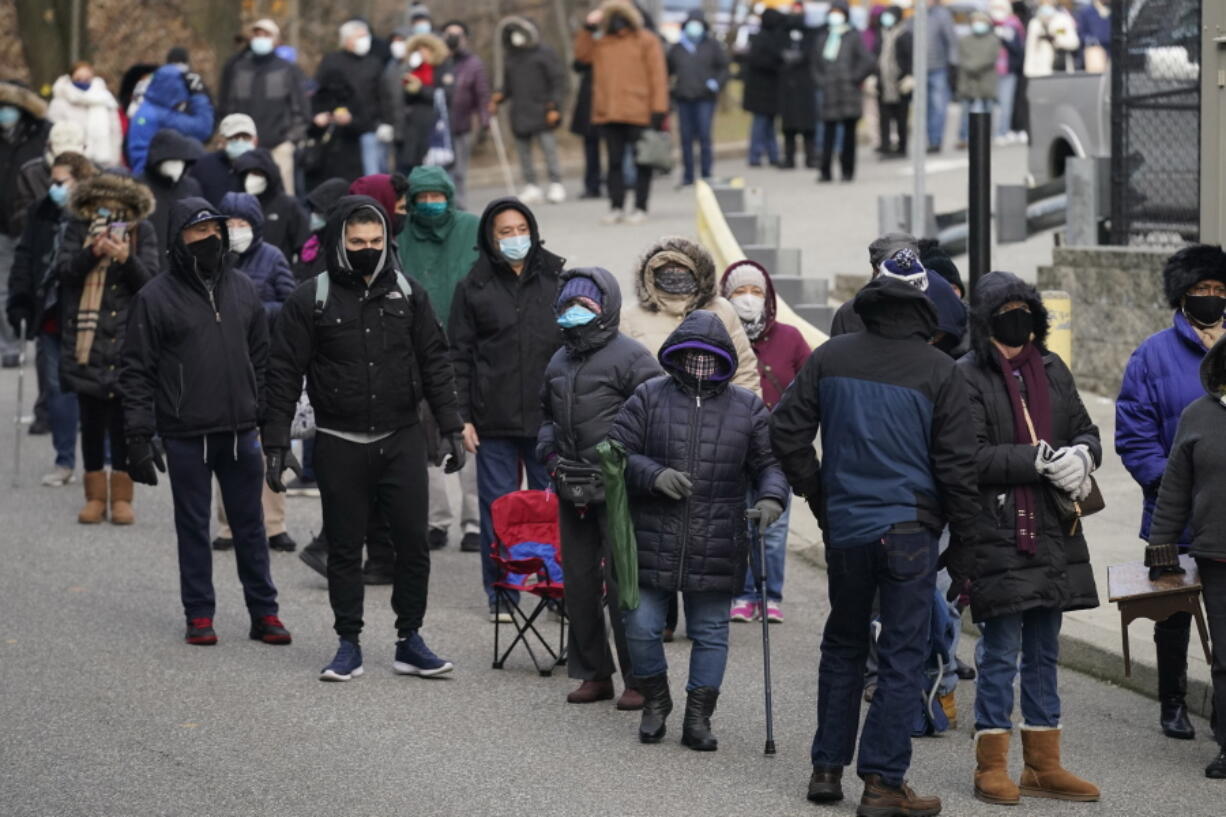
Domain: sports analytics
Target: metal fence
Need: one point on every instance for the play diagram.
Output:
(1155, 121)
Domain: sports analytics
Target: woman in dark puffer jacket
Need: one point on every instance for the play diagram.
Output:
(1031, 564)
(696, 445)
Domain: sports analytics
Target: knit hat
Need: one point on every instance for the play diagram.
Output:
(935, 259)
(905, 265)
(744, 274)
(66, 135)
(580, 287)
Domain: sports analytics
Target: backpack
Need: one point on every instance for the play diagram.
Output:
(323, 286)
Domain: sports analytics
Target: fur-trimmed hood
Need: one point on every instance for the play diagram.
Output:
(129, 199)
(704, 272)
(517, 23)
(1188, 267)
(992, 292)
(436, 50)
(13, 94)
(618, 7)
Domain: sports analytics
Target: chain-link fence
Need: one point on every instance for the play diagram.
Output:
(1155, 121)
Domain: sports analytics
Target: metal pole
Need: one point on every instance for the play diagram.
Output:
(74, 37)
(919, 118)
(979, 196)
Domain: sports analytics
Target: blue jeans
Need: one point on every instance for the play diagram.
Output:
(1035, 635)
(373, 151)
(776, 539)
(1006, 89)
(61, 405)
(706, 624)
(938, 105)
(970, 106)
(695, 116)
(762, 140)
(902, 567)
(499, 462)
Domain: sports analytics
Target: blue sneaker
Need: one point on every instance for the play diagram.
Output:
(413, 657)
(346, 665)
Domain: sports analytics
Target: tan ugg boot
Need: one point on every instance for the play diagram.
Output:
(94, 511)
(949, 705)
(992, 783)
(121, 498)
(1043, 776)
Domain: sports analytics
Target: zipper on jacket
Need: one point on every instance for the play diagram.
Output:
(213, 303)
(689, 467)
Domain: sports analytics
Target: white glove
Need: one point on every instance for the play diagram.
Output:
(385, 133)
(1083, 490)
(1070, 467)
(907, 84)
(870, 85)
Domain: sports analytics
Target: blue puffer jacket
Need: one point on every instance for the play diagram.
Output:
(167, 104)
(1162, 378)
(718, 434)
(263, 263)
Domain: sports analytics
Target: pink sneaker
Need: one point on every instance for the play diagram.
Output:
(774, 612)
(743, 611)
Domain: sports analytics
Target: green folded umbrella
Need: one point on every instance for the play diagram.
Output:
(621, 526)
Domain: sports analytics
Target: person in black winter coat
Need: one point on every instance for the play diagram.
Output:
(1035, 443)
(898, 463)
(503, 335)
(581, 126)
(286, 225)
(215, 170)
(371, 350)
(193, 374)
(841, 63)
(586, 383)
(108, 251)
(1190, 498)
(798, 93)
(760, 69)
(171, 155)
(696, 446)
(698, 66)
(346, 107)
(309, 260)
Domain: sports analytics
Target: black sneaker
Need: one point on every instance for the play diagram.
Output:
(315, 555)
(283, 543)
(200, 632)
(375, 573)
(270, 630)
(436, 538)
(223, 543)
(39, 427)
(471, 543)
(1216, 770)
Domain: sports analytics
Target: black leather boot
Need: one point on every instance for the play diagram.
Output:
(696, 727)
(1216, 769)
(657, 703)
(1172, 649)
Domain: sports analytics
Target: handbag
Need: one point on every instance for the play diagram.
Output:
(578, 483)
(655, 150)
(1071, 510)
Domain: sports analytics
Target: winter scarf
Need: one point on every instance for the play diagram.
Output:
(1031, 423)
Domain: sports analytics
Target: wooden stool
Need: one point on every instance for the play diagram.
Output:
(1130, 587)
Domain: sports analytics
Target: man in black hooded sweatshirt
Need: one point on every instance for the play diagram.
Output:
(193, 373)
(371, 349)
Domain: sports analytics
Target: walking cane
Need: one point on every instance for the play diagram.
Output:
(758, 544)
(21, 382)
(500, 147)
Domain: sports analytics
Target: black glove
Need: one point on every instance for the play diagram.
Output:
(658, 120)
(276, 460)
(145, 458)
(453, 452)
(769, 511)
(958, 561)
(952, 74)
(20, 318)
(674, 484)
(194, 82)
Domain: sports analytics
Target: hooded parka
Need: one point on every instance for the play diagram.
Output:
(438, 251)
(261, 262)
(762, 64)
(629, 77)
(167, 104)
(22, 144)
(168, 145)
(533, 79)
(96, 111)
(286, 224)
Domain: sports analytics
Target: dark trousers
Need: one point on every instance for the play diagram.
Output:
(587, 568)
(591, 161)
(789, 145)
(191, 463)
(902, 566)
(102, 422)
(892, 116)
(617, 138)
(499, 464)
(847, 156)
(694, 116)
(1213, 579)
(1171, 639)
(390, 476)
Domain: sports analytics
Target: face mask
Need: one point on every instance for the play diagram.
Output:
(453, 42)
(981, 27)
(82, 85)
(516, 247)
(576, 316)
(399, 48)
(172, 169)
(519, 39)
(9, 116)
(694, 30)
(318, 222)
(836, 18)
(749, 307)
(364, 262)
(1047, 12)
(1205, 310)
(237, 147)
(255, 184)
(430, 209)
(262, 45)
(618, 23)
(415, 60)
(361, 46)
(422, 27)
(888, 20)
(207, 253)
(1013, 328)
(676, 281)
(58, 193)
(699, 365)
(398, 220)
(241, 238)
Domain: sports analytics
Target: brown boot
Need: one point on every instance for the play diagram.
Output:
(589, 692)
(94, 511)
(1043, 776)
(631, 700)
(121, 498)
(992, 783)
(883, 800)
(949, 705)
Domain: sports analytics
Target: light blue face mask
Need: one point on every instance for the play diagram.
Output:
(431, 208)
(694, 30)
(422, 27)
(237, 147)
(318, 222)
(516, 247)
(980, 27)
(888, 20)
(262, 45)
(58, 193)
(576, 316)
(9, 116)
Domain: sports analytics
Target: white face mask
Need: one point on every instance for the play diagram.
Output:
(361, 46)
(172, 169)
(241, 238)
(749, 307)
(255, 184)
(398, 48)
(518, 39)
(415, 60)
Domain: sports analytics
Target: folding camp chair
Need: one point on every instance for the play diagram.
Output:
(528, 554)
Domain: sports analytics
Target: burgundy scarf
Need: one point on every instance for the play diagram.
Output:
(1029, 364)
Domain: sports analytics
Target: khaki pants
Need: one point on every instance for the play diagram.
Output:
(283, 155)
(274, 513)
(441, 515)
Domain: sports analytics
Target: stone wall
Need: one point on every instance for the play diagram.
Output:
(1117, 302)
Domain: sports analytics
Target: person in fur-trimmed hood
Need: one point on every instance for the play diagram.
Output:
(409, 96)
(1161, 380)
(674, 278)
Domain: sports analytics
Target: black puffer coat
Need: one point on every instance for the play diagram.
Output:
(761, 65)
(1004, 579)
(169, 144)
(503, 332)
(534, 78)
(590, 378)
(286, 223)
(717, 433)
(839, 79)
(99, 376)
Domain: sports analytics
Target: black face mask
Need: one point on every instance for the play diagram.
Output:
(618, 23)
(364, 262)
(453, 42)
(1205, 310)
(1013, 328)
(207, 253)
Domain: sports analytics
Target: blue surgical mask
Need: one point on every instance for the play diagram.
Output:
(516, 247)
(836, 18)
(422, 27)
(431, 208)
(9, 115)
(318, 222)
(58, 193)
(888, 19)
(980, 27)
(83, 86)
(262, 45)
(576, 316)
(694, 30)
(237, 147)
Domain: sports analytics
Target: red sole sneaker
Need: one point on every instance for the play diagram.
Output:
(202, 640)
(269, 638)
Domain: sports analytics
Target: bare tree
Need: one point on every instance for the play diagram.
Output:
(50, 30)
